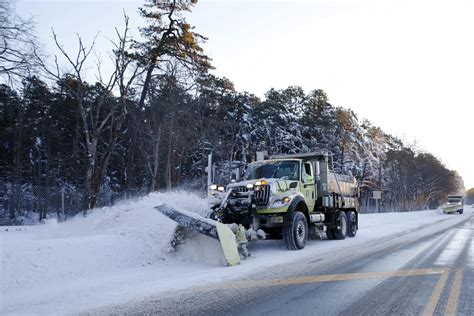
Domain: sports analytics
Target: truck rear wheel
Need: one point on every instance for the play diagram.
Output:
(341, 232)
(295, 231)
(351, 224)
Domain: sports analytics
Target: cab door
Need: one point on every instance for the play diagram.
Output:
(308, 183)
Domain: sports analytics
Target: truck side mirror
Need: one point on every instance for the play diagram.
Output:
(356, 192)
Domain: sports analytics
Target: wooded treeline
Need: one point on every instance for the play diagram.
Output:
(151, 124)
(469, 197)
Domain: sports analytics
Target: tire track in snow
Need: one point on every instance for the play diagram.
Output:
(455, 247)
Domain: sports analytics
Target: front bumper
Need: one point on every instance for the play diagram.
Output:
(245, 212)
(270, 220)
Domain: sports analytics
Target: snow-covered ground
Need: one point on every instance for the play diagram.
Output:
(122, 253)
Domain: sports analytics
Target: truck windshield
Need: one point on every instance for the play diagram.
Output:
(273, 169)
(454, 200)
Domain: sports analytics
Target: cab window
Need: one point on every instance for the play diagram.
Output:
(307, 173)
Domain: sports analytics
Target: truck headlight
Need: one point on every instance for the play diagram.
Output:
(261, 182)
(249, 186)
(281, 203)
(213, 187)
(221, 188)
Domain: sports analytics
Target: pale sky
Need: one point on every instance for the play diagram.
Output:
(407, 66)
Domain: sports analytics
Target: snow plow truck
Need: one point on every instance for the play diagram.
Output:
(455, 204)
(282, 197)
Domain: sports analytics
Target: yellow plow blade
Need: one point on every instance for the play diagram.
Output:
(208, 227)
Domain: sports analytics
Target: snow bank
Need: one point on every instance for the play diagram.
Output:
(129, 235)
(122, 253)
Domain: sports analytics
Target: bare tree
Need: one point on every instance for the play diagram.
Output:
(17, 44)
(101, 119)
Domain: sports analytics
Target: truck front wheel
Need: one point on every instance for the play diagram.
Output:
(295, 231)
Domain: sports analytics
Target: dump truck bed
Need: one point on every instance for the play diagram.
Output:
(340, 183)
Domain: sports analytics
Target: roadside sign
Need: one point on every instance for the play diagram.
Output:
(376, 195)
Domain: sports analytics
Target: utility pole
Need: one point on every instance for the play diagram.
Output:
(380, 184)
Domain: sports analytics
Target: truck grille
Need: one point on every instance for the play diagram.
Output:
(260, 197)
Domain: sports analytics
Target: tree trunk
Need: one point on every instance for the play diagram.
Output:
(90, 199)
(156, 164)
(146, 84)
(169, 157)
(17, 167)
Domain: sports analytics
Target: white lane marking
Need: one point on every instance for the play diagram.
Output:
(454, 248)
(470, 262)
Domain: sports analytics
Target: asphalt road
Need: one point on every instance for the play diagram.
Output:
(401, 275)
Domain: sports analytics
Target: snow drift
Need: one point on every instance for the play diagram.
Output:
(129, 235)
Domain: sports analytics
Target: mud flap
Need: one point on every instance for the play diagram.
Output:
(208, 227)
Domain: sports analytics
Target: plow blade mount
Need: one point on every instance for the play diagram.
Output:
(208, 227)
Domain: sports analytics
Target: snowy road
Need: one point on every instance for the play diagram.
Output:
(419, 271)
(116, 261)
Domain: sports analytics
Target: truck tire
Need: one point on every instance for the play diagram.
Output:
(351, 224)
(295, 231)
(340, 233)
